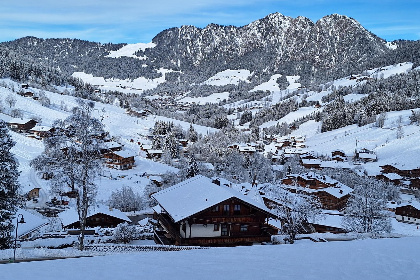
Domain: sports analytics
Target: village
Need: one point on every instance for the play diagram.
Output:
(202, 211)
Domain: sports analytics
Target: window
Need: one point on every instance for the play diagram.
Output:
(216, 227)
(226, 209)
(215, 209)
(237, 209)
(244, 228)
(225, 231)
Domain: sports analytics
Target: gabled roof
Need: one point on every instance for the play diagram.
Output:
(70, 216)
(197, 194)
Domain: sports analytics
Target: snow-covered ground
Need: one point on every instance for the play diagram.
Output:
(402, 153)
(228, 77)
(129, 50)
(213, 98)
(127, 129)
(396, 258)
(137, 85)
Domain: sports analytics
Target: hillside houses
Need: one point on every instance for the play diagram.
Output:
(332, 194)
(410, 177)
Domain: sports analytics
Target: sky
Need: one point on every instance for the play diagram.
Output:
(138, 21)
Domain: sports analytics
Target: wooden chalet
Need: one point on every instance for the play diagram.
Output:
(34, 193)
(365, 155)
(200, 212)
(332, 194)
(121, 160)
(21, 125)
(407, 214)
(26, 93)
(331, 223)
(110, 147)
(311, 163)
(409, 173)
(41, 132)
(98, 216)
(154, 154)
(338, 155)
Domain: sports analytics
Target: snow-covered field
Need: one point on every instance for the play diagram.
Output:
(396, 258)
(137, 85)
(228, 77)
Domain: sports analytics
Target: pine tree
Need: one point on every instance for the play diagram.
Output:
(192, 134)
(192, 167)
(9, 186)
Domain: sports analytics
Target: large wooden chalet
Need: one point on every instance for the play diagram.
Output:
(200, 212)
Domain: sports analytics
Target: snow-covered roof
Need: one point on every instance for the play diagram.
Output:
(367, 156)
(124, 154)
(112, 144)
(70, 216)
(311, 161)
(334, 188)
(19, 120)
(330, 220)
(41, 128)
(195, 195)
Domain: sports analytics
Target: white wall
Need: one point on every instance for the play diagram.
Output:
(407, 219)
(200, 230)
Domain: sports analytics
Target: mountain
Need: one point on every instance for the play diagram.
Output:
(332, 47)
(276, 41)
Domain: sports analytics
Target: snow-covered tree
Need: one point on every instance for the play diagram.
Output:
(380, 120)
(295, 211)
(125, 233)
(192, 134)
(9, 186)
(125, 200)
(170, 143)
(366, 209)
(72, 155)
(192, 169)
(10, 100)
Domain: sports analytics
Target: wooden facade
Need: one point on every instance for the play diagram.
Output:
(407, 214)
(229, 223)
(21, 126)
(117, 161)
(328, 200)
(98, 220)
(408, 173)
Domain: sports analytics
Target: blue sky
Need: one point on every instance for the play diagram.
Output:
(134, 21)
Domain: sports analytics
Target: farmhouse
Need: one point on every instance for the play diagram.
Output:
(21, 125)
(198, 211)
(40, 131)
